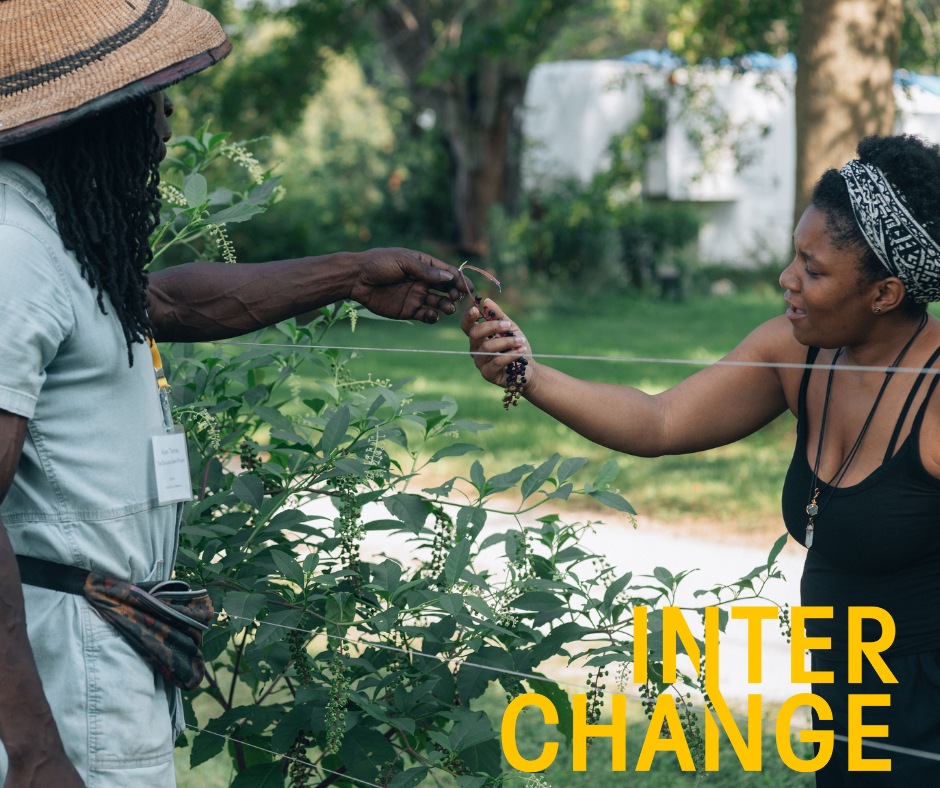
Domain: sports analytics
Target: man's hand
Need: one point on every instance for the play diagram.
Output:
(398, 283)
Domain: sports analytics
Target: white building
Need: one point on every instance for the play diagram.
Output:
(738, 166)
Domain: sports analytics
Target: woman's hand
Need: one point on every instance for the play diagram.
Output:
(485, 338)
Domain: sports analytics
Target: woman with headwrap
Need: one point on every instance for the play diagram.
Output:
(863, 490)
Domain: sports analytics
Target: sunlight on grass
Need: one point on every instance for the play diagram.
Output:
(741, 481)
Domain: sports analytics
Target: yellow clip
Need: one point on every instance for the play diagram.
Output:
(162, 382)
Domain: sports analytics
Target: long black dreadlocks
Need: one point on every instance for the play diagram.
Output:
(101, 176)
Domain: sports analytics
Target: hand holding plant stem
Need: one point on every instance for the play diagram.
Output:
(492, 332)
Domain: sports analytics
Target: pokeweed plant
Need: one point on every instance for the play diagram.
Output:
(325, 668)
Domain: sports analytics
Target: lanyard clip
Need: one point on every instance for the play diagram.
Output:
(162, 382)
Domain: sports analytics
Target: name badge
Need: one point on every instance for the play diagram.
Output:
(171, 463)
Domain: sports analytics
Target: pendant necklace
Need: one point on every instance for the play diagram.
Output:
(813, 506)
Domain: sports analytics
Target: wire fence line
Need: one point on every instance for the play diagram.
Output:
(624, 359)
(517, 674)
(684, 706)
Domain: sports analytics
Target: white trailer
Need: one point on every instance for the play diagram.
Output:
(729, 145)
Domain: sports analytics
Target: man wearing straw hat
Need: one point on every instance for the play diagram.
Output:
(82, 131)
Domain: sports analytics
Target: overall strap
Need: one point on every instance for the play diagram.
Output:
(811, 355)
(918, 420)
(907, 405)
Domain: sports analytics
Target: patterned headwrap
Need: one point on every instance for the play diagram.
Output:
(896, 237)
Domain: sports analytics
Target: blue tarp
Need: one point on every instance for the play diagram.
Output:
(761, 61)
(924, 81)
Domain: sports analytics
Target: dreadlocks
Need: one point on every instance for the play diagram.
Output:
(101, 176)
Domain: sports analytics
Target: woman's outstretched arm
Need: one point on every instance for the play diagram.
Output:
(713, 407)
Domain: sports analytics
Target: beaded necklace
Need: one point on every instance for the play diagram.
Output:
(813, 508)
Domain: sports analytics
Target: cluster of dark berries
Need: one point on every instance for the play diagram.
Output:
(515, 372)
(516, 379)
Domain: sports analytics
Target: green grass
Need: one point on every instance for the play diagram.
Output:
(740, 483)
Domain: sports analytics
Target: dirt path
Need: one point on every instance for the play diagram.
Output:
(722, 558)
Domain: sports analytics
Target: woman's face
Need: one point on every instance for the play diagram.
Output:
(826, 305)
(164, 108)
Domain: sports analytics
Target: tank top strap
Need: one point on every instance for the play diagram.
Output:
(907, 405)
(811, 355)
(919, 418)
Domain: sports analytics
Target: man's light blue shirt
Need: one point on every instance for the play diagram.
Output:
(84, 493)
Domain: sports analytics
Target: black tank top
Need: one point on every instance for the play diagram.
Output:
(876, 543)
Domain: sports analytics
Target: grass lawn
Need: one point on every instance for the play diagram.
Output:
(739, 484)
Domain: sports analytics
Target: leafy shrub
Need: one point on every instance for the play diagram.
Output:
(369, 670)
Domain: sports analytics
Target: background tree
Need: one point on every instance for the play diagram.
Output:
(470, 63)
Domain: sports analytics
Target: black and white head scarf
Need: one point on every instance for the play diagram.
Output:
(896, 237)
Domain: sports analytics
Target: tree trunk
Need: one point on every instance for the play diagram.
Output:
(479, 117)
(847, 54)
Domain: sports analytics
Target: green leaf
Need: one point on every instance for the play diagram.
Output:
(470, 731)
(470, 781)
(311, 561)
(288, 566)
(285, 734)
(272, 628)
(457, 561)
(612, 500)
(335, 430)
(261, 775)
(562, 704)
(195, 191)
(477, 477)
(239, 212)
(455, 450)
(537, 601)
(244, 606)
(412, 510)
(363, 751)
(562, 492)
(387, 576)
(538, 477)
(470, 521)
(205, 747)
(503, 481)
(663, 575)
(615, 588)
(341, 609)
(263, 191)
(284, 520)
(410, 778)
(775, 550)
(570, 467)
(451, 603)
(249, 488)
(606, 474)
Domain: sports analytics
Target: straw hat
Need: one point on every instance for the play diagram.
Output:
(63, 59)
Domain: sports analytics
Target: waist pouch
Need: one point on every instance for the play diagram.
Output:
(163, 622)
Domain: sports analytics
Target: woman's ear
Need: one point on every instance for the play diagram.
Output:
(888, 295)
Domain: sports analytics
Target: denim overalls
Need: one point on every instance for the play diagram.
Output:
(84, 493)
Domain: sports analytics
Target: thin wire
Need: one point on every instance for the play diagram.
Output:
(631, 359)
(281, 755)
(528, 676)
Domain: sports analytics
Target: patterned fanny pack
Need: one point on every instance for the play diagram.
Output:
(163, 622)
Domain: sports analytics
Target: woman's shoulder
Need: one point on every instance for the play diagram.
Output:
(773, 342)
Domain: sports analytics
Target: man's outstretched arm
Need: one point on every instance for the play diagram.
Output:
(30, 735)
(209, 301)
